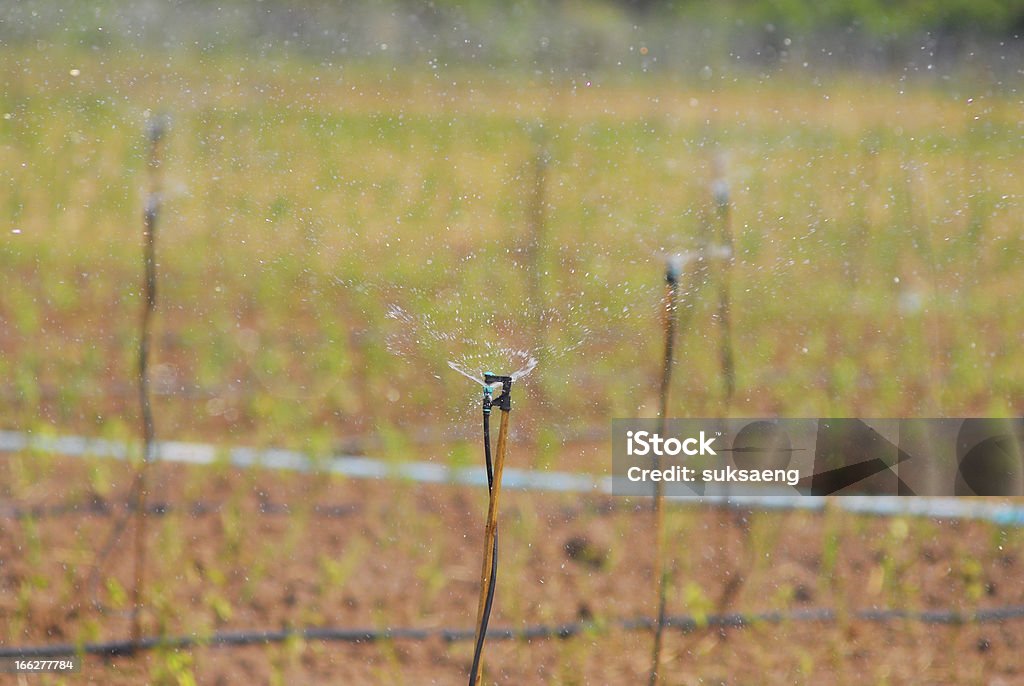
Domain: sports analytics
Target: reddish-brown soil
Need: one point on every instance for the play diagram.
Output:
(252, 550)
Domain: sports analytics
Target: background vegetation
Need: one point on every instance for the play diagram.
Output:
(349, 203)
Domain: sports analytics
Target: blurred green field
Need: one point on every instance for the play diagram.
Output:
(333, 235)
(877, 228)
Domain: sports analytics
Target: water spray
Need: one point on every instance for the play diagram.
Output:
(537, 247)
(497, 392)
(537, 218)
(673, 268)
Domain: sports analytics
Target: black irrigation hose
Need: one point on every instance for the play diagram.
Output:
(489, 602)
(682, 623)
(101, 508)
(198, 508)
(487, 450)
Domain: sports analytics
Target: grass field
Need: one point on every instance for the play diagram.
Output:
(333, 235)
(877, 243)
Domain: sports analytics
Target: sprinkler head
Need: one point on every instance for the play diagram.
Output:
(497, 391)
(720, 252)
(156, 127)
(152, 209)
(720, 191)
(673, 269)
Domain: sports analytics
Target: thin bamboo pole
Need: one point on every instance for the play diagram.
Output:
(723, 206)
(491, 533)
(669, 320)
(156, 131)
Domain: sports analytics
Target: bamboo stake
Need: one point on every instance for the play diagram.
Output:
(742, 518)
(723, 205)
(491, 534)
(155, 131)
(669, 320)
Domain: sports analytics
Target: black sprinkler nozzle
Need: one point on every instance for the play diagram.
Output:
(673, 269)
(497, 391)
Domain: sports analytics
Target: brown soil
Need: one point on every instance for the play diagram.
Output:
(252, 550)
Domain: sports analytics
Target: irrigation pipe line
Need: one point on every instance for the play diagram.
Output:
(359, 467)
(195, 508)
(682, 623)
(497, 392)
